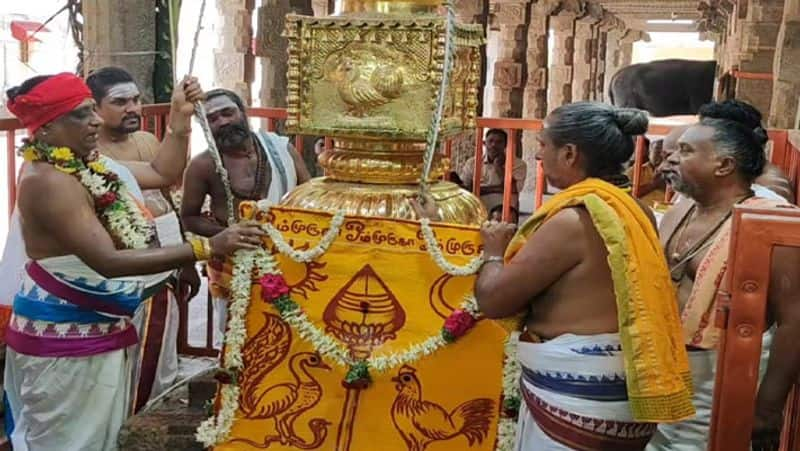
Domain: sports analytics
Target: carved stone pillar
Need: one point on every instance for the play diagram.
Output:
(234, 61)
(626, 47)
(759, 36)
(613, 61)
(120, 33)
(600, 64)
(509, 67)
(320, 7)
(537, 58)
(469, 11)
(560, 80)
(271, 47)
(786, 90)
(535, 106)
(583, 61)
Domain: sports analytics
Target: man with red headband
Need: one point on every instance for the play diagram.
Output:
(91, 261)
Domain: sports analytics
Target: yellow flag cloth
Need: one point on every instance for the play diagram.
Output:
(656, 365)
(378, 295)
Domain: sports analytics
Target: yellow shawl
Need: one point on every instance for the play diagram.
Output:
(656, 365)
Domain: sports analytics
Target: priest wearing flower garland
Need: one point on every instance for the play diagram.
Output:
(87, 238)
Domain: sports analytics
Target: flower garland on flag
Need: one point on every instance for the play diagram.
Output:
(113, 204)
(435, 251)
(512, 398)
(310, 254)
(275, 290)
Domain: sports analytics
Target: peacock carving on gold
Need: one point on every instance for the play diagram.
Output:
(367, 77)
(283, 402)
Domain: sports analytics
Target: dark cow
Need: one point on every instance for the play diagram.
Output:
(664, 88)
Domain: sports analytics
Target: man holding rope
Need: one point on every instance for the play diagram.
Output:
(260, 165)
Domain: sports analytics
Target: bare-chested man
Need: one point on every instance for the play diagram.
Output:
(67, 373)
(715, 166)
(260, 165)
(156, 320)
(587, 274)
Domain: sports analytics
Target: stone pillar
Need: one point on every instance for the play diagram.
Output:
(786, 89)
(535, 106)
(537, 57)
(271, 47)
(121, 33)
(234, 61)
(613, 61)
(320, 8)
(600, 62)
(509, 67)
(469, 11)
(584, 59)
(560, 79)
(759, 36)
(626, 47)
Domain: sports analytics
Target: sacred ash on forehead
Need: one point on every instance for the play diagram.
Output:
(127, 90)
(219, 103)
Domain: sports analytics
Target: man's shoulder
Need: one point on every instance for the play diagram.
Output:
(43, 181)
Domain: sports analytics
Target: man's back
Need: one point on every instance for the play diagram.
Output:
(582, 300)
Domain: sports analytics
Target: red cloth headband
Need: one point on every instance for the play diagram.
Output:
(49, 100)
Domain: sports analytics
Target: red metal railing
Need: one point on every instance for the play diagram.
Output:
(741, 312)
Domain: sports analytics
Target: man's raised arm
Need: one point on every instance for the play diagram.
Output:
(170, 161)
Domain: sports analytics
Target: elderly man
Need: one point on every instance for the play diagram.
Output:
(715, 167)
(67, 375)
(156, 320)
(260, 165)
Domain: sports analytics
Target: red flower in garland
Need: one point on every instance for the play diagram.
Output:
(273, 287)
(105, 201)
(458, 323)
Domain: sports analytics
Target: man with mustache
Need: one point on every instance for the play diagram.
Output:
(260, 165)
(714, 165)
(119, 105)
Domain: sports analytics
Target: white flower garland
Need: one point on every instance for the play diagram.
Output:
(435, 251)
(216, 429)
(512, 371)
(311, 254)
(128, 224)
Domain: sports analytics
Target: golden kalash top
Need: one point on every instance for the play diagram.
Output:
(369, 77)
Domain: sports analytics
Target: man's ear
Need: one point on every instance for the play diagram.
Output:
(569, 155)
(725, 166)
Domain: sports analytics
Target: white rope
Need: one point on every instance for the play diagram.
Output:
(200, 114)
(433, 131)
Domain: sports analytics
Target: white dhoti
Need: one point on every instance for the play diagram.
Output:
(692, 435)
(156, 355)
(67, 403)
(575, 397)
